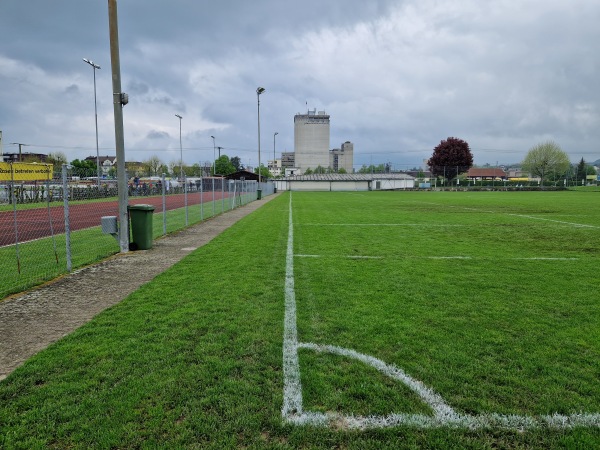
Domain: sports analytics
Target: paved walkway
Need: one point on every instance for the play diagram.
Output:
(31, 321)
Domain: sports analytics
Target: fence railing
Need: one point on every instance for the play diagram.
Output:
(35, 215)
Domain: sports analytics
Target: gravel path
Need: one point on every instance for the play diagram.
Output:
(31, 321)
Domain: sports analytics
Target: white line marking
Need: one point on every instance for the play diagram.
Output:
(444, 415)
(427, 395)
(562, 222)
(448, 257)
(495, 258)
(292, 388)
(424, 224)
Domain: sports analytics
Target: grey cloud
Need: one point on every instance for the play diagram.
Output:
(158, 135)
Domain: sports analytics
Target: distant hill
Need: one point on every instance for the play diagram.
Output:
(595, 163)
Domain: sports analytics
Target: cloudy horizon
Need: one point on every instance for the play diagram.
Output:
(396, 77)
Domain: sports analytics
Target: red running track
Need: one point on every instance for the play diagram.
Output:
(40, 222)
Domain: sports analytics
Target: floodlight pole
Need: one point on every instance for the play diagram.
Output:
(214, 161)
(94, 67)
(259, 91)
(274, 159)
(180, 149)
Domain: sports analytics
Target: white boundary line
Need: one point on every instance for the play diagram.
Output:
(495, 258)
(443, 415)
(562, 222)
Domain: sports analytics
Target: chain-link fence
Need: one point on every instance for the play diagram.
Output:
(497, 178)
(52, 225)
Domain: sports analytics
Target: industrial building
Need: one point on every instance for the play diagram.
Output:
(342, 158)
(312, 147)
(311, 140)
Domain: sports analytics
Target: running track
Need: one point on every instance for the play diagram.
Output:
(40, 222)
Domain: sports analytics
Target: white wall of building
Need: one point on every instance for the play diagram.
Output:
(311, 140)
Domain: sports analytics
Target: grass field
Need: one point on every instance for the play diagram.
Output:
(43, 259)
(379, 320)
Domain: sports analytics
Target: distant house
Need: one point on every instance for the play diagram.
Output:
(486, 174)
(134, 168)
(242, 174)
(346, 182)
(106, 162)
(23, 157)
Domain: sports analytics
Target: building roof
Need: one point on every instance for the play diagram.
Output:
(350, 177)
(101, 159)
(486, 173)
(245, 174)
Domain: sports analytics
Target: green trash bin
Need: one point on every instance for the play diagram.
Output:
(141, 226)
(258, 194)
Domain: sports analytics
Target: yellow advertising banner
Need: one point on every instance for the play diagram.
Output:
(25, 171)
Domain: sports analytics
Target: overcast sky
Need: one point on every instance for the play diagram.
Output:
(396, 77)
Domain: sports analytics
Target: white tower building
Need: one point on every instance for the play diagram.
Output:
(311, 140)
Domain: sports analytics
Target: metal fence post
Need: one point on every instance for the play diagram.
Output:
(67, 223)
(185, 202)
(13, 199)
(201, 199)
(222, 195)
(164, 204)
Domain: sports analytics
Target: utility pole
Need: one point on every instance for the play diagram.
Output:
(20, 150)
(119, 100)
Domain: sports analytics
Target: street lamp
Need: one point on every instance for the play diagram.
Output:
(259, 90)
(180, 149)
(274, 159)
(214, 162)
(94, 67)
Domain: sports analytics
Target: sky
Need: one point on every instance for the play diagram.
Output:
(396, 77)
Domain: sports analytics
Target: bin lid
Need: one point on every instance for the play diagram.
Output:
(141, 207)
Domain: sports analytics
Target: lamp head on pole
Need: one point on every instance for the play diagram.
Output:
(260, 90)
(91, 63)
(177, 115)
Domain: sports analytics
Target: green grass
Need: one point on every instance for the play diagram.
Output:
(44, 259)
(194, 358)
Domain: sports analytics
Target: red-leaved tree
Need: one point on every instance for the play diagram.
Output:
(450, 158)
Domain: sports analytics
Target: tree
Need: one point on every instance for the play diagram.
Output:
(264, 172)
(163, 169)
(57, 159)
(372, 169)
(223, 166)
(152, 165)
(84, 164)
(194, 171)
(237, 163)
(580, 172)
(546, 160)
(84, 168)
(450, 158)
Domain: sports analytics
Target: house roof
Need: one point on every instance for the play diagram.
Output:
(492, 173)
(247, 175)
(111, 159)
(350, 177)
